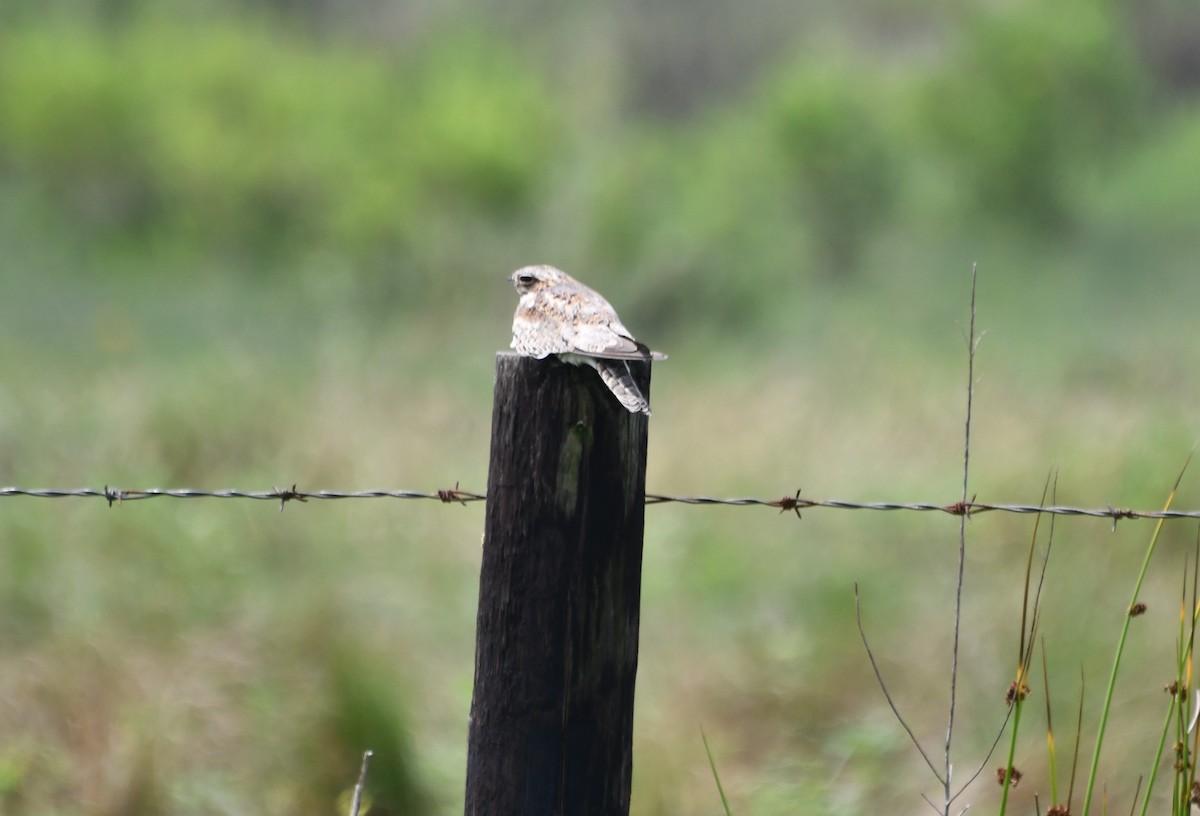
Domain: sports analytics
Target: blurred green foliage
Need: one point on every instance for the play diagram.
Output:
(247, 137)
(1029, 104)
(237, 136)
(841, 151)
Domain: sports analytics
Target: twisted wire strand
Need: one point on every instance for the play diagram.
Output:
(793, 503)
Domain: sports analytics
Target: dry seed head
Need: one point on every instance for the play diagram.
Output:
(1016, 691)
(1013, 776)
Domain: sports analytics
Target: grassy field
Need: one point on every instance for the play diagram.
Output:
(310, 290)
(203, 656)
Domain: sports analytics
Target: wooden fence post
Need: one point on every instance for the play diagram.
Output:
(559, 590)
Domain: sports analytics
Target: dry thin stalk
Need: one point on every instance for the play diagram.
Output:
(944, 776)
(886, 694)
(972, 345)
(1078, 741)
(356, 802)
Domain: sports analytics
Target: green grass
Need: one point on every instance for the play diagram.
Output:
(208, 655)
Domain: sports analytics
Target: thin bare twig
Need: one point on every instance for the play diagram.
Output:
(987, 759)
(356, 802)
(1136, 791)
(972, 344)
(887, 695)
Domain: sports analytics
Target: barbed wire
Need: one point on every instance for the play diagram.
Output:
(114, 495)
(791, 503)
(796, 503)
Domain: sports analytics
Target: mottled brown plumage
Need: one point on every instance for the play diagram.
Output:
(559, 315)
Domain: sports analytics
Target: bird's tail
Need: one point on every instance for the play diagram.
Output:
(619, 380)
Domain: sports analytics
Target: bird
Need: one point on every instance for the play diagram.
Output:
(559, 315)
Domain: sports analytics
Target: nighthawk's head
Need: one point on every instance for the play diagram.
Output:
(535, 278)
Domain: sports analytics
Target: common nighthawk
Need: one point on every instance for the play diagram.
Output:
(559, 315)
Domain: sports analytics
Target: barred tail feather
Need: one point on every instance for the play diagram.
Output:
(619, 380)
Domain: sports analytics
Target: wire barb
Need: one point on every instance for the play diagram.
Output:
(287, 494)
(1120, 513)
(792, 503)
(454, 496)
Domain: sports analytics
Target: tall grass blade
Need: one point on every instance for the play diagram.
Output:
(716, 777)
(1078, 741)
(1020, 689)
(1049, 730)
(1112, 678)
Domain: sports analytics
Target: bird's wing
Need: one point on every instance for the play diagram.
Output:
(609, 342)
(566, 322)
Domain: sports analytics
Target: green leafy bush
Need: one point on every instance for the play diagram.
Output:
(1031, 101)
(250, 138)
(839, 159)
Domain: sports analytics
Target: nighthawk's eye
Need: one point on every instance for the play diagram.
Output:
(526, 279)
